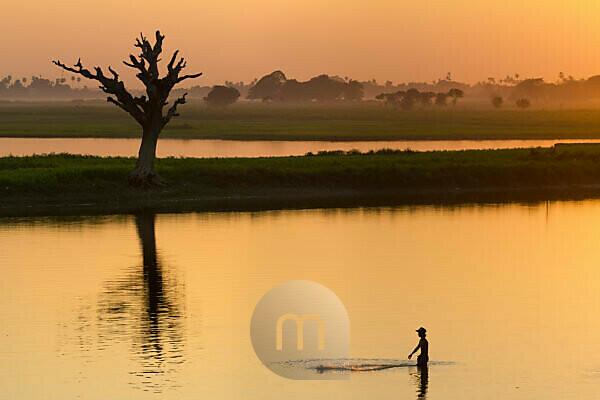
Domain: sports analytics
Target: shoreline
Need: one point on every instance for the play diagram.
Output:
(58, 184)
(592, 138)
(302, 201)
(325, 137)
(201, 148)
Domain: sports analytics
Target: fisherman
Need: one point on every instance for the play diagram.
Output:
(423, 357)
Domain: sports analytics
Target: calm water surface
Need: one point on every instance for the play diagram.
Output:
(241, 148)
(159, 307)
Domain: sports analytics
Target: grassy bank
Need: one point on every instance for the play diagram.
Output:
(59, 181)
(365, 121)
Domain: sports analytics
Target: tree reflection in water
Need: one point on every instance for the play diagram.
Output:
(144, 307)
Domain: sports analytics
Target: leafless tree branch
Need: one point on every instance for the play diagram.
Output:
(112, 86)
(172, 112)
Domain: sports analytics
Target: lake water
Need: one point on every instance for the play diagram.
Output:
(241, 148)
(159, 307)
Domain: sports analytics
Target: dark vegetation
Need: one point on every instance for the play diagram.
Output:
(406, 100)
(322, 88)
(74, 88)
(565, 90)
(523, 103)
(497, 101)
(222, 96)
(42, 88)
(63, 180)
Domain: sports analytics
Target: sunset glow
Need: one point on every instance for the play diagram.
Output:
(382, 39)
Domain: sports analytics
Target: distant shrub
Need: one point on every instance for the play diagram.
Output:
(455, 94)
(497, 101)
(523, 103)
(221, 96)
(440, 99)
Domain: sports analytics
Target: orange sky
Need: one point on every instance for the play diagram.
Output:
(383, 39)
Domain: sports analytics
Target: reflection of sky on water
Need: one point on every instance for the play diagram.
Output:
(82, 317)
(253, 148)
(141, 309)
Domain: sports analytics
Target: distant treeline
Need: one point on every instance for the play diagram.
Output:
(323, 88)
(38, 87)
(407, 99)
(276, 87)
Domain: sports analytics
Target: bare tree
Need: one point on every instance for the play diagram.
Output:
(147, 110)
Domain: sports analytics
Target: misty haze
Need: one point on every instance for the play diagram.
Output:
(299, 200)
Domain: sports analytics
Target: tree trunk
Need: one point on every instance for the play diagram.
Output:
(143, 174)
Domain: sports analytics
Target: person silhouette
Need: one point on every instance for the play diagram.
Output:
(423, 357)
